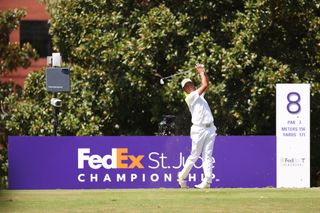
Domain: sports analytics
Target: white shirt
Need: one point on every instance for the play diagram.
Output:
(199, 108)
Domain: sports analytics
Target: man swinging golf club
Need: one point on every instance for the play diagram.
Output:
(202, 132)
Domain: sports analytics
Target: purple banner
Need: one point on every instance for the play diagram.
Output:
(136, 162)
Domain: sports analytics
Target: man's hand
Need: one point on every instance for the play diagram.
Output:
(200, 68)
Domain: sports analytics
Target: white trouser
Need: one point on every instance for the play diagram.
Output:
(202, 142)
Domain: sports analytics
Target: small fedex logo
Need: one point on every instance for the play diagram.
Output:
(119, 159)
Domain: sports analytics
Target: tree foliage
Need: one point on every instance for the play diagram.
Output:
(118, 51)
(11, 55)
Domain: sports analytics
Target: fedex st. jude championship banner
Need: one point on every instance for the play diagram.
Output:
(136, 162)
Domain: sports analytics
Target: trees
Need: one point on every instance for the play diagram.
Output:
(120, 49)
(11, 57)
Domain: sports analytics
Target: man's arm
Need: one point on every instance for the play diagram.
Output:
(204, 79)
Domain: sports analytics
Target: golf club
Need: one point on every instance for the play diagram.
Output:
(170, 76)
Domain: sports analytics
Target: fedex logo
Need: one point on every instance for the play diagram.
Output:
(119, 159)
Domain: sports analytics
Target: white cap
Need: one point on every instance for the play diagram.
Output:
(184, 81)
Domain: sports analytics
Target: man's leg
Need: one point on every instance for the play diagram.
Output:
(196, 149)
(207, 159)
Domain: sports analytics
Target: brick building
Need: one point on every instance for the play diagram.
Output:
(33, 29)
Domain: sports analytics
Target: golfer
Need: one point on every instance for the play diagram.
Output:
(202, 132)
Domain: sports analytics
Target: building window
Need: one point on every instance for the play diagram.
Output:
(37, 34)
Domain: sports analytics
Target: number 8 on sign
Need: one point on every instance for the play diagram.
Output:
(293, 105)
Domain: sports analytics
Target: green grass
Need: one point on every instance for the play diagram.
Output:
(162, 200)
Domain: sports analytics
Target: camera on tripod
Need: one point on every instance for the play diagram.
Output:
(167, 126)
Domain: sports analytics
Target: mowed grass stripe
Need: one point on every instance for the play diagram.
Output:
(162, 200)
